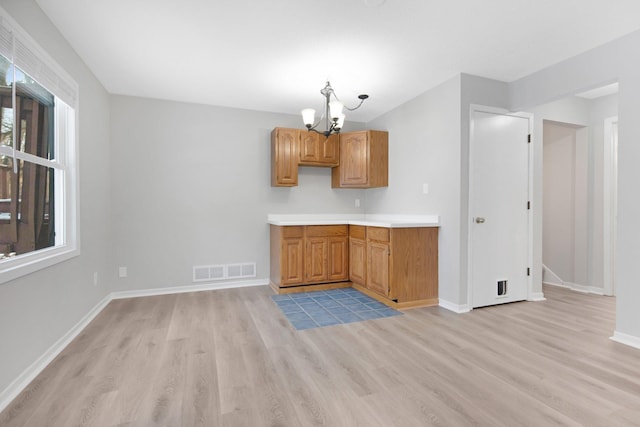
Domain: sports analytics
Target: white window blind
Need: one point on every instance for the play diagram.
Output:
(19, 47)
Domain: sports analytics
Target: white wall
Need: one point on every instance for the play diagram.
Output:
(191, 186)
(38, 309)
(424, 147)
(615, 61)
(599, 110)
(559, 207)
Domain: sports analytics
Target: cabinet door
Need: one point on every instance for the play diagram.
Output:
(284, 157)
(316, 260)
(354, 159)
(358, 261)
(310, 147)
(338, 268)
(378, 268)
(318, 150)
(330, 150)
(292, 262)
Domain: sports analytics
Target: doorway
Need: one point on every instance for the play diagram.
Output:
(579, 190)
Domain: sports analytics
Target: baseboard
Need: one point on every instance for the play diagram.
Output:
(23, 380)
(456, 308)
(20, 383)
(536, 296)
(578, 288)
(625, 339)
(189, 288)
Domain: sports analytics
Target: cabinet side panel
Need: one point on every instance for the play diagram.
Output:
(378, 159)
(414, 263)
(275, 248)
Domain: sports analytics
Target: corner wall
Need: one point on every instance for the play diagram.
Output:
(38, 309)
(424, 147)
(615, 61)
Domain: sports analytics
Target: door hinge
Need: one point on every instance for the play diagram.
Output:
(528, 271)
(529, 139)
(528, 205)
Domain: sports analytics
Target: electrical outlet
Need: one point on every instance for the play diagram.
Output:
(95, 278)
(122, 272)
(357, 203)
(425, 188)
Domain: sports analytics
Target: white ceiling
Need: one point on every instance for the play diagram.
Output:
(276, 55)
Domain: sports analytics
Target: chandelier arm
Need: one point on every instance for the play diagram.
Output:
(356, 107)
(353, 108)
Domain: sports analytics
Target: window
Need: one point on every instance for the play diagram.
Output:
(38, 188)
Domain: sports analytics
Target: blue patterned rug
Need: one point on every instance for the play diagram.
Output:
(308, 310)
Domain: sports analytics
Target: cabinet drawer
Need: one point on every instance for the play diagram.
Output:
(357, 232)
(378, 234)
(289, 231)
(326, 230)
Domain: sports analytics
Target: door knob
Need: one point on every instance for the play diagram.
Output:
(479, 220)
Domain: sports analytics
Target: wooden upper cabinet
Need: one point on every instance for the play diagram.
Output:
(318, 150)
(364, 160)
(284, 157)
(293, 147)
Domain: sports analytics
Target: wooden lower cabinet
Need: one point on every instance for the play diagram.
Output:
(398, 266)
(303, 255)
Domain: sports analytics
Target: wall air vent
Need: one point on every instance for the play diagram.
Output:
(206, 273)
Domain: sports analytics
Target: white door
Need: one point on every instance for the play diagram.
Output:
(498, 203)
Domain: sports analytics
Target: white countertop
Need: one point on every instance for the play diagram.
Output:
(389, 221)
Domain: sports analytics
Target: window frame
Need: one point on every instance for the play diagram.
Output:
(43, 69)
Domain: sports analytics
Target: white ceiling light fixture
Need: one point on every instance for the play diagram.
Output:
(333, 112)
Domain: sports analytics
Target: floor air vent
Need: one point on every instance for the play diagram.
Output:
(205, 273)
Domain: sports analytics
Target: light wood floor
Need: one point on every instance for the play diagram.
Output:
(229, 358)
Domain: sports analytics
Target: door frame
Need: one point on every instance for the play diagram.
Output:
(469, 216)
(610, 187)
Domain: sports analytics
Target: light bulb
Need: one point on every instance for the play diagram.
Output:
(335, 109)
(308, 116)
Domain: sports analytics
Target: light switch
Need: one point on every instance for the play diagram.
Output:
(122, 272)
(425, 188)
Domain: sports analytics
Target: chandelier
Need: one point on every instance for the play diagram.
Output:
(333, 112)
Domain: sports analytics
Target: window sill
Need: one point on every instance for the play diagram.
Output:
(15, 267)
